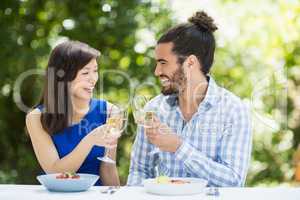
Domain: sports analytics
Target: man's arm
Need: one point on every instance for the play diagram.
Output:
(142, 164)
(230, 168)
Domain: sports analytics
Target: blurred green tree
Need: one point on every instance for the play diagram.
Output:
(258, 59)
(122, 30)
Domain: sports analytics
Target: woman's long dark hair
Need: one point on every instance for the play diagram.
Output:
(65, 61)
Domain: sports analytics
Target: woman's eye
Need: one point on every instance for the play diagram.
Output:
(96, 71)
(85, 73)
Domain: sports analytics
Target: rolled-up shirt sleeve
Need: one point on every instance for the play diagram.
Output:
(233, 155)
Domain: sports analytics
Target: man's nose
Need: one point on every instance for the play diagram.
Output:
(157, 71)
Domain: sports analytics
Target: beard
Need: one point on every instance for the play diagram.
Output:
(177, 83)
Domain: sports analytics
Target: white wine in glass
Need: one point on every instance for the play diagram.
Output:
(116, 124)
(141, 116)
(145, 118)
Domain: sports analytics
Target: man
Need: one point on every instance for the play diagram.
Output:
(209, 133)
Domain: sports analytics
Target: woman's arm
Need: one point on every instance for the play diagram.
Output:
(109, 172)
(46, 152)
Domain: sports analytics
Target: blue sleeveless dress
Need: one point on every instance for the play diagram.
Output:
(66, 140)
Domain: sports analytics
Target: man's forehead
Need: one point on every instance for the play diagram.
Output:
(163, 49)
(164, 46)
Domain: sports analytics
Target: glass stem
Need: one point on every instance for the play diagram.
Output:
(107, 152)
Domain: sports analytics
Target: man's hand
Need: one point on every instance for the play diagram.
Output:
(162, 136)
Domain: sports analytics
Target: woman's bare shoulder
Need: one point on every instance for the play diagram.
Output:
(33, 116)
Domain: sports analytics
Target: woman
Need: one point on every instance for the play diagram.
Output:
(66, 129)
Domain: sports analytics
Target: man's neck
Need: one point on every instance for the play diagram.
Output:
(192, 96)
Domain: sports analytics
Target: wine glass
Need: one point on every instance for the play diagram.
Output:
(142, 117)
(138, 105)
(146, 118)
(116, 124)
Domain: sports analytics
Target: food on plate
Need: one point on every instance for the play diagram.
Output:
(162, 179)
(179, 181)
(167, 180)
(68, 175)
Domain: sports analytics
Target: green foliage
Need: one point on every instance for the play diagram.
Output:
(259, 61)
(258, 55)
(31, 28)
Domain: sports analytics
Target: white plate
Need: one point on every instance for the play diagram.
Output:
(195, 186)
(68, 185)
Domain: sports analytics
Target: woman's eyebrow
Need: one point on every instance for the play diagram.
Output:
(88, 68)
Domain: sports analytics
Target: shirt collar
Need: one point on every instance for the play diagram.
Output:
(212, 95)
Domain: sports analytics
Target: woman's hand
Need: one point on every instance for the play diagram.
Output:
(99, 137)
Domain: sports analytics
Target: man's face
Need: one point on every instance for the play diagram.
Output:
(170, 73)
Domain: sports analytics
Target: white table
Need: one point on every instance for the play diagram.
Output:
(37, 192)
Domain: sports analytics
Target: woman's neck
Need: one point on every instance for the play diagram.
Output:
(80, 108)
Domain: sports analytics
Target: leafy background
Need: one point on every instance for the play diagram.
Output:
(257, 58)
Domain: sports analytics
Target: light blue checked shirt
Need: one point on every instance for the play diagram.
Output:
(216, 144)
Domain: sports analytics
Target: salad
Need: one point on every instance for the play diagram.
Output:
(68, 175)
(167, 180)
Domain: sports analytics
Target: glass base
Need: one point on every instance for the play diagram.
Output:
(107, 160)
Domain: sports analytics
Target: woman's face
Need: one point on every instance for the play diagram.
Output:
(83, 85)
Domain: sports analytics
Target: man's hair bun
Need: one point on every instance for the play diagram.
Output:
(203, 21)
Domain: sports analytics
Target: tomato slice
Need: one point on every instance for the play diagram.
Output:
(75, 177)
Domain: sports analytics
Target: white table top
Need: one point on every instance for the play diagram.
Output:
(38, 192)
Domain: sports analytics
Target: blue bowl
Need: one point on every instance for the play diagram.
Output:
(67, 185)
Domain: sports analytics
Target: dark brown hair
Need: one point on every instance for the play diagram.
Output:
(65, 61)
(193, 38)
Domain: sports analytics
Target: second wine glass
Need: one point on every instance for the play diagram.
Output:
(116, 124)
